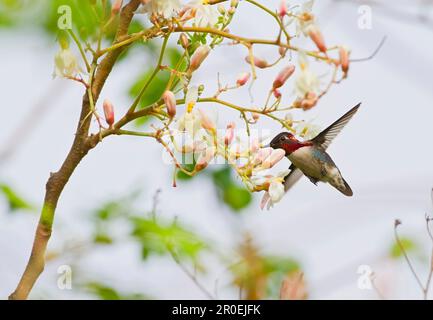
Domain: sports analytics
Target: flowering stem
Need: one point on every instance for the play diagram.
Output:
(280, 23)
(80, 48)
(153, 75)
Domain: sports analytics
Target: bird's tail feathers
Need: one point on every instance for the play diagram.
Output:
(341, 185)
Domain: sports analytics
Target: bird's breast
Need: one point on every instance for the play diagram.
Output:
(309, 160)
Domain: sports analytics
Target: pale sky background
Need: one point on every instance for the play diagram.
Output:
(384, 153)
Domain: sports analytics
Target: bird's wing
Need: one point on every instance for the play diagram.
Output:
(326, 136)
(294, 175)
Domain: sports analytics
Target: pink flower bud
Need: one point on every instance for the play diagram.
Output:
(274, 158)
(277, 93)
(309, 101)
(258, 62)
(184, 41)
(243, 79)
(282, 51)
(108, 112)
(204, 159)
(117, 5)
(170, 103)
(207, 123)
(198, 57)
(317, 38)
(261, 155)
(283, 9)
(344, 59)
(255, 116)
(255, 145)
(282, 77)
(230, 133)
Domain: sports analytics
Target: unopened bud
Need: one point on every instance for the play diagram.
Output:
(255, 145)
(170, 103)
(234, 3)
(309, 101)
(261, 155)
(221, 9)
(255, 116)
(198, 57)
(108, 112)
(184, 41)
(276, 93)
(282, 77)
(117, 5)
(282, 51)
(243, 79)
(230, 133)
(200, 89)
(317, 38)
(274, 158)
(258, 62)
(205, 158)
(344, 59)
(283, 9)
(207, 123)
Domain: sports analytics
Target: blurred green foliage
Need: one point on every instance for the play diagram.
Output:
(229, 190)
(278, 268)
(157, 87)
(14, 200)
(166, 238)
(86, 17)
(105, 292)
(408, 245)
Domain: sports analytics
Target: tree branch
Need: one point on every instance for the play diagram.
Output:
(78, 151)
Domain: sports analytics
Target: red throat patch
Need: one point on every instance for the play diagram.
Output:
(294, 145)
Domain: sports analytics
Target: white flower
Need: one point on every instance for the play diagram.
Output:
(306, 18)
(306, 82)
(205, 15)
(276, 191)
(66, 64)
(191, 98)
(189, 122)
(165, 8)
(307, 130)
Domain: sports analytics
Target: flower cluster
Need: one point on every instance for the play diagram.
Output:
(187, 129)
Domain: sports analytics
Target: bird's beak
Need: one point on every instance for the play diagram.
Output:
(267, 146)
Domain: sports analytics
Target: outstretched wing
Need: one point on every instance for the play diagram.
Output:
(326, 136)
(294, 175)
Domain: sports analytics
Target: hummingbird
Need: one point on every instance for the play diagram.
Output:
(310, 158)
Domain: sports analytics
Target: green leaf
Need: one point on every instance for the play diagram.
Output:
(86, 16)
(277, 269)
(183, 176)
(110, 210)
(408, 245)
(153, 92)
(162, 238)
(15, 201)
(233, 195)
(237, 198)
(105, 292)
(102, 238)
(280, 264)
(158, 85)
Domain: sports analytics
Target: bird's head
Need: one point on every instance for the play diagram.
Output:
(285, 141)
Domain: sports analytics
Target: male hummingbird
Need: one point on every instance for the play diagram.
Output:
(310, 158)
